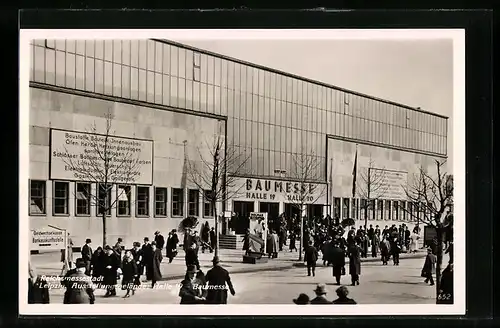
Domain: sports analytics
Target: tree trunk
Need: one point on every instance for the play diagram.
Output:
(301, 241)
(104, 232)
(439, 255)
(216, 224)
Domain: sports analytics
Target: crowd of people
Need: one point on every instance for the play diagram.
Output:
(321, 298)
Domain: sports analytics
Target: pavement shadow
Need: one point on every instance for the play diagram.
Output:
(400, 282)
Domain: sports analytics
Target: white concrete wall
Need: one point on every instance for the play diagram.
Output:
(168, 130)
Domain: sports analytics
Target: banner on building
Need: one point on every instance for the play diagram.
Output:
(390, 184)
(258, 231)
(77, 156)
(48, 238)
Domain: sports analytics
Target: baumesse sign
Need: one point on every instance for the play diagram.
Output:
(279, 191)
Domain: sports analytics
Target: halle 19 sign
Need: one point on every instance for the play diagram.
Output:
(282, 191)
(80, 156)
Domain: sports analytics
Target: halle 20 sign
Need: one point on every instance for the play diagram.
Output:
(280, 191)
(70, 150)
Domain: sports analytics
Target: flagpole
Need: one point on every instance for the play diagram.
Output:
(330, 187)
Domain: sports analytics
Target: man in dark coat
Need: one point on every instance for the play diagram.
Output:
(429, 267)
(386, 231)
(111, 265)
(310, 257)
(217, 278)
(337, 259)
(137, 255)
(213, 239)
(155, 264)
(191, 256)
(395, 249)
(160, 240)
(407, 235)
(188, 237)
(79, 286)
(172, 241)
(354, 263)
(377, 231)
(147, 255)
(38, 292)
(119, 248)
(320, 295)
(87, 255)
(445, 295)
(371, 232)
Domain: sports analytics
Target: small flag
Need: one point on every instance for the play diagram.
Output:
(354, 174)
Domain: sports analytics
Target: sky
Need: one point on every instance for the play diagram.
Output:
(417, 73)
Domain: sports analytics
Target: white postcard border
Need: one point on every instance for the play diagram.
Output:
(459, 308)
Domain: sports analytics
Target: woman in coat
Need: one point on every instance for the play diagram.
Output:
(190, 292)
(293, 237)
(337, 259)
(155, 264)
(375, 245)
(130, 273)
(246, 241)
(355, 263)
(385, 250)
(172, 242)
(97, 263)
(111, 268)
(429, 267)
(413, 243)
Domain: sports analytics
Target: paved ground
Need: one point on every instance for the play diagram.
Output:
(379, 285)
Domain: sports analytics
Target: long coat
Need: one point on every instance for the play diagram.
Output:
(271, 245)
(38, 293)
(97, 263)
(311, 255)
(129, 269)
(172, 242)
(155, 265)
(189, 290)
(375, 244)
(429, 264)
(385, 247)
(160, 241)
(337, 260)
(218, 277)
(354, 260)
(110, 274)
(79, 289)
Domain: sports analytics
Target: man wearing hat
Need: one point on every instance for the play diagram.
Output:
(217, 278)
(147, 256)
(137, 254)
(320, 295)
(190, 292)
(303, 299)
(79, 288)
(111, 266)
(172, 241)
(155, 264)
(160, 241)
(87, 255)
(429, 267)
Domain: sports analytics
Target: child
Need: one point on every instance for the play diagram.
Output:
(310, 257)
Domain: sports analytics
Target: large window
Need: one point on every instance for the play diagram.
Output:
(83, 195)
(37, 197)
(207, 204)
(104, 198)
(177, 202)
(142, 201)
(161, 201)
(345, 209)
(402, 205)
(61, 198)
(193, 202)
(380, 209)
(396, 210)
(336, 208)
(388, 210)
(123, 195)
(354, 212)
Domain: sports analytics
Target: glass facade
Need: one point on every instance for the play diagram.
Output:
(271, 117)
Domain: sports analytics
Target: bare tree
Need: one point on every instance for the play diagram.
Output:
(306, 170)
(372, 188)
(210, 174)
(106, 162)
(432, 196)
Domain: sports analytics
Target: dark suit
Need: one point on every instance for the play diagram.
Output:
(344, 301)
(79, 289)
(110, 274)
(87, 257)
(38, 293)
(218, 276)
(147, 256)
(311, 256)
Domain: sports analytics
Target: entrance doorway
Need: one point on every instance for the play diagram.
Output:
(272, 210)
(240, 223)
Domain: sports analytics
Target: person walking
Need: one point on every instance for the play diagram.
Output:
(355, 263)
(342, 293)
(246, 241)
(118, 248)
(147, 255)
(217, 278)
(172, 241)
(87, 255)
(160, 240)
(191, 257)
(79, 286)
(337, 259)
(155, 264)
(385, 248)
(136, 253)
(375, 244)
(130, 273)
(429, 267)
(320, 292)
(213, 239)
(69, 251)
(310, 257)
(293, 238)
(97, 264)
(111, 269)
(190, 293)
(413, 243)
(395, 249)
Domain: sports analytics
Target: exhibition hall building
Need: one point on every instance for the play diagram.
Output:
(296, 145)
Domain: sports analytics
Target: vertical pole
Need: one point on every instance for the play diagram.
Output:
(301, 235)
(66, 264)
